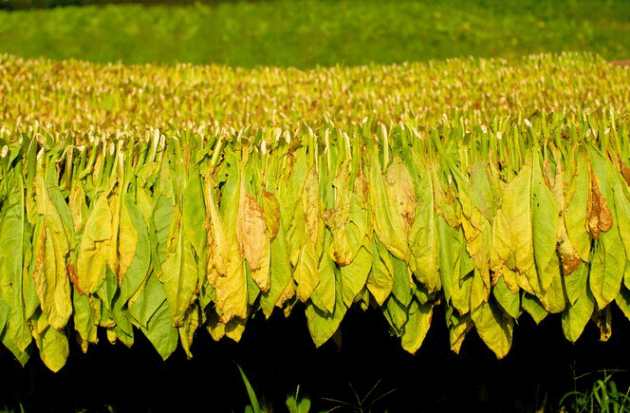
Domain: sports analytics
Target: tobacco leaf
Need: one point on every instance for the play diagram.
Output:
(52, 344)
(52, 247)
(387, 219)
(160, 331)
(253, 238)
(512, 237)
(271, 206)
(534, 308)
(322, 325)
(400, 186)
(509, 300)
(91, 259)
(188, 329)
(396, 314)
(580, 306)
(232, 288)
(381, 278)
(424, 242)
(495, 328)
(576, 208)
(323, 296)
(180, 274)
(458, 327)
(280, 272)
(14, 243)
(545, 227)
(218, 249)
(417, 326)
(354, 276)
(85, 322)
(553, 299)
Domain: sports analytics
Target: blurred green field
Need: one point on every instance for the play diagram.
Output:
(306, 33)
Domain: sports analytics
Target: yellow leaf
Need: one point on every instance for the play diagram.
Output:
(306, 273)
(417, 326)
(91, 258)
(127, 241)
(495, 328)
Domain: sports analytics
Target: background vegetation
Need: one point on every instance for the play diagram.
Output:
(305, 33)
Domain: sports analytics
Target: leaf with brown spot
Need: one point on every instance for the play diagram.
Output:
(400, 186)
(599, 216)
(569, 257)
(253, 238)
(575, 214)
(218, 249)
(311, 204)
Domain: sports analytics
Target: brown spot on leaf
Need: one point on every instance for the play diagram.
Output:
(401, 186)
(625, 171)
(251, 230)
(72, 274)
(598, 215)
(311, 203)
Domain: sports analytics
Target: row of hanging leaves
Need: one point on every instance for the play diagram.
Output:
(170, 234)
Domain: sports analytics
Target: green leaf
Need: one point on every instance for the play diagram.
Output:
(396, 314)
(417, 326)
(576, 316)
(250, 392)
(576, 208)
(323, 325)
(512, 238)
(180, 274)
(381, 278)
(387, 220)
(52, 247)
(85, 321)
(324, 294)
(545, 225)
(424, 242)
(534, 308)
(280, 272)
(13, 244)
(510, 301)
(160, 331)
(354, 276)
(554, 298)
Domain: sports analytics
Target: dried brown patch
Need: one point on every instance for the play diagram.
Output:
(311, 203)
(401, 186)
(72, 274)
(251, 230)
(598, 215)
(625, 171)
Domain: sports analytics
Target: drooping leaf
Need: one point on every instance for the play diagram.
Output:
(417, 326)
(495, 328)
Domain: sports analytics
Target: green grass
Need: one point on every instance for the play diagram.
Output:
(310, 32)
